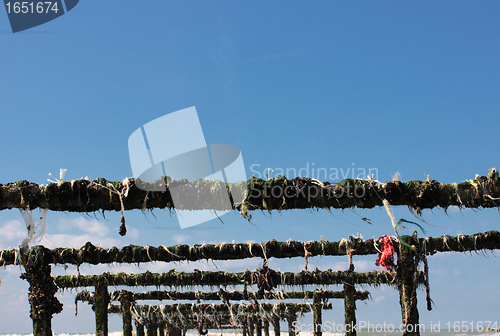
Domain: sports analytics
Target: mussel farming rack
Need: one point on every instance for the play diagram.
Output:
(267, 296)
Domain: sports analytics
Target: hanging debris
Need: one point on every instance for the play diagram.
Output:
(222, 295)
(386, 254)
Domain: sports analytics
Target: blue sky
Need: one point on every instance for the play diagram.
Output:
(408, 87)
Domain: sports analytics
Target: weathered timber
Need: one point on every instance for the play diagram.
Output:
(258, 325)
(273, 194)
(278, 309)
(276, 325)
(406, 280)
(101, 308)
(91, 254)
(138, 254)
(139, 329)
(222, 295)
(291, 318)
(251, 325)
(182, 315)
(43, 303)
(317, 318)
(222, 278)
(126, 299)
(350, 308)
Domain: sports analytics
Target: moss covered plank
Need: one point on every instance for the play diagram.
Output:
(271, 249)
(221, 295)
(268, 279)
(273, 194)
(92, 254)
(190, 308)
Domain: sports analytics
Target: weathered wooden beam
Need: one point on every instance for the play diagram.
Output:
(273, 194)
(222, 278)
(91, 254)
(223, 295)
(222, 309)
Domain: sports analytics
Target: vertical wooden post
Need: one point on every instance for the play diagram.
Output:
(407, 284)
(251, 325)
(41, 291)
(276, 326)
(317, 318)
(161, 330)
(258, 325)
(151, 329)
(350, 307)
(125, 299)
(139, 329)
(101, 309)
(173, 330)
(266, 327)
(245, 326)
(292, 317)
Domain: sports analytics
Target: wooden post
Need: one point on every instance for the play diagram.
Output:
(161, 330)
(251, 325)
(292, 317)
(139, 329)
(266, 327)
(258, 325)
(350, 308)
(101, 309)
(407, 284)
(276, 326)
(125, 299)
(41, 291)
(245, 330)
(317, 319)
(173, 330)
(151, 330)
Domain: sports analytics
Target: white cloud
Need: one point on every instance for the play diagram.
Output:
(93, 231)
(77, 241)
(179, 239)
(12, 234)
(77, 232)
(379, 299)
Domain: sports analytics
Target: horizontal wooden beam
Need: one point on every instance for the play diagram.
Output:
(273, 194)
(267, 278)
(223, 295)
(91, 254)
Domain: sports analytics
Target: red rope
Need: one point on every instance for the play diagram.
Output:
(386, 258)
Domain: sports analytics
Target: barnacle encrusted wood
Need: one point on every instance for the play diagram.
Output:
(222, 278)
(138, 254)
(41, 296)
(273, 194)
(280, 309)
(271, 249)
(222, 295)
